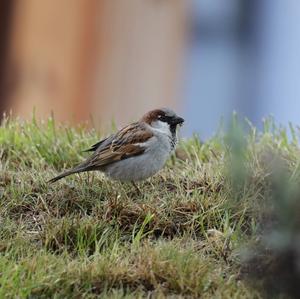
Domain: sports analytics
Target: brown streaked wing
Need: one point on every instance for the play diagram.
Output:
(95, 146)
(125, 144)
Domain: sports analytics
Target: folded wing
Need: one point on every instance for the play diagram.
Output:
(127, 143)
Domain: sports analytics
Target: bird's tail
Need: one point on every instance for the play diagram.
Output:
(77, 169)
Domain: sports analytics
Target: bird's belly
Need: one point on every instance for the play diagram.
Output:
(137, 168)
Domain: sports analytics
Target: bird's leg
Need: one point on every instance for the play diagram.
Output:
(136, 188)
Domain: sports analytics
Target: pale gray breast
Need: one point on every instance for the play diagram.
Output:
(158, 149)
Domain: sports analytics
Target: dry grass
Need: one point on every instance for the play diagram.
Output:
(86, 236)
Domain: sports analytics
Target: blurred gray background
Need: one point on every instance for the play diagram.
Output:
(242, 56)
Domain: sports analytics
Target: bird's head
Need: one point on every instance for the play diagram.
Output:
(163, 118)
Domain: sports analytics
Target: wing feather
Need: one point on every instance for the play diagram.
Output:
(127, 143)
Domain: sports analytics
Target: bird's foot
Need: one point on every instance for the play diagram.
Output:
(136, 188)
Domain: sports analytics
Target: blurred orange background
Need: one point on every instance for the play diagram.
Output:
(105, 59)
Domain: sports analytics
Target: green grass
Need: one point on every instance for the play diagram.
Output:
(87, 236)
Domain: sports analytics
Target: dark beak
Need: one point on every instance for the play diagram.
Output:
(178, 120)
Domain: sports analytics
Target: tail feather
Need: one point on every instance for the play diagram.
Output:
(67, 173)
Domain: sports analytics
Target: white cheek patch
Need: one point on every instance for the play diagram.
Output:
(161, 127)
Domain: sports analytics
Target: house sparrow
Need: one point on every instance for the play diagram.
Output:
(137, 151)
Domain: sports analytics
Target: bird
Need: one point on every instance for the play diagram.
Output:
(136, 152)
